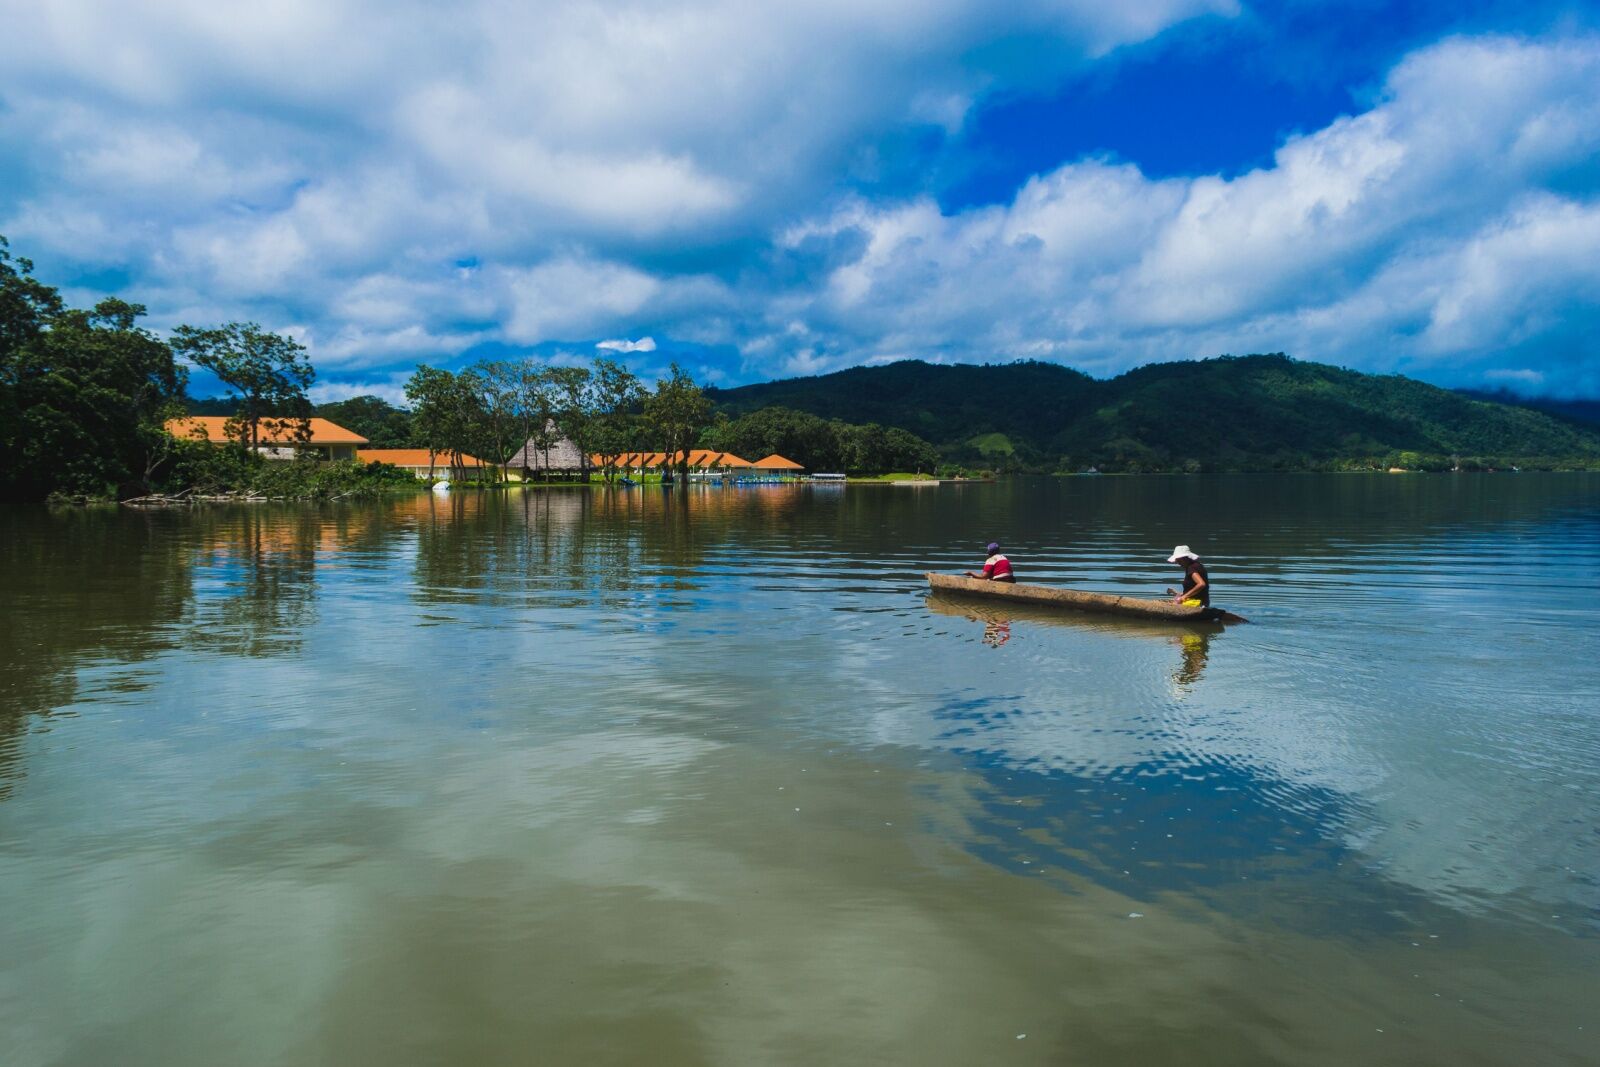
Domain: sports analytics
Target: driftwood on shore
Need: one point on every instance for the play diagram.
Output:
(190, 497)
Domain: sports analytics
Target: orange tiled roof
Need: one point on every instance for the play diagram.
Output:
(273, 431)
(776, 462)
(703, 458)
(416, 457)
(626, 459)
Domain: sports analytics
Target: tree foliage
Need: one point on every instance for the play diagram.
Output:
(615, 423)
(443, 413)
(266, 373)
(823, 444)
(83, 394)
(380, 422)
(676, 414)
(1231, 413)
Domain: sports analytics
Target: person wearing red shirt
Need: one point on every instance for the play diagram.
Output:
(996, 568)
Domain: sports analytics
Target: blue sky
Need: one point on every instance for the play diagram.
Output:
(760, 190)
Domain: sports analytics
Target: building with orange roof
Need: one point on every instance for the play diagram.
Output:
(703, 460)
(425, 464)
(277, 438)
(776, 462)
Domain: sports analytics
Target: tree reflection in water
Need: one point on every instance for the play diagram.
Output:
(257, 567)
(83, 586)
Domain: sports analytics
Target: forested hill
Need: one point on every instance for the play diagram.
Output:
(1265, 412)
(1577, 410)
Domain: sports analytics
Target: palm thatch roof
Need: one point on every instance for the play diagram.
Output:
(555, 453)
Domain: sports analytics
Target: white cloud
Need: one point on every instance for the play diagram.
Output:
(643, 344)
(574, 298)
(391, 389)
(407, 182)
(1383, 240)
(356, 347)
(631, 119)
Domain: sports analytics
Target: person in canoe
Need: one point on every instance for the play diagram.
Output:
(996, 568)
(1196, 591)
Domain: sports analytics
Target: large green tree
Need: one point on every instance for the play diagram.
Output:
(83, 394)
(534, 403)
(27, 305)
(267, 373)
(574, 407)
(616, 397)
(676, 414)
(446, 415)
(498, 421)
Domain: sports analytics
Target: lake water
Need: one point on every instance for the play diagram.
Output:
(705, 777)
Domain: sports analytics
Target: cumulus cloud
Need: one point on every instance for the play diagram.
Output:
(643, 344)
(1451, 224)
(405, 183)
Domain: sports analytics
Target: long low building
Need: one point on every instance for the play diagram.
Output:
(277, 438)
(706, 461)
(423, 464)
(699, 459)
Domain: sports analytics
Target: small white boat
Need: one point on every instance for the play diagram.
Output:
(441, 487)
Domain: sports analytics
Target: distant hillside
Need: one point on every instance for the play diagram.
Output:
(1265, 412)
(211, 405)
(1577, 410)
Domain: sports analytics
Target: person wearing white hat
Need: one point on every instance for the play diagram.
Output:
(1196, 591)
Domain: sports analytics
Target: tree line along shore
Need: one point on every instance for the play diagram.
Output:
(87, 397)
(95, 407)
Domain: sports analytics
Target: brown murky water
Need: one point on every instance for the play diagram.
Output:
(584, 777)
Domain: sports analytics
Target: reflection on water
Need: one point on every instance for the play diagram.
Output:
(706, 775)
(1192, 639)
(996, 632)
(1196, 647)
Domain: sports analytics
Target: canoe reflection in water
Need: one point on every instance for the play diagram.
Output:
(1193, 639)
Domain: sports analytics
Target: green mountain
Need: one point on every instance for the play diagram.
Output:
(1263, 412)
(1574, 410)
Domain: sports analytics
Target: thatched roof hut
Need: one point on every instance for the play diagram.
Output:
(555, 455)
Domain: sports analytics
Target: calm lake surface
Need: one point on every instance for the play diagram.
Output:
(706, 777)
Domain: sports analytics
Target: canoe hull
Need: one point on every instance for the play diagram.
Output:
(1075, 600)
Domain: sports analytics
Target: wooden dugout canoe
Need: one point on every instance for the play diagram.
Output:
(1074, 600)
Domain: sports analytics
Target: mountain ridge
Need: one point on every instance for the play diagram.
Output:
(1254, 412)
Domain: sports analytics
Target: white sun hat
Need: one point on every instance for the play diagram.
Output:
(1182, 552)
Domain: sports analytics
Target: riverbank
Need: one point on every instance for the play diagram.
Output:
(918, 478)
